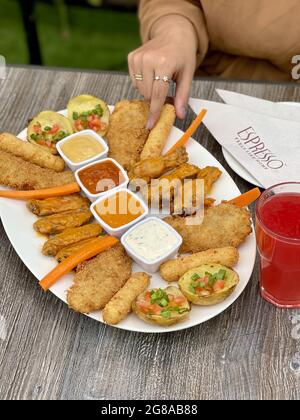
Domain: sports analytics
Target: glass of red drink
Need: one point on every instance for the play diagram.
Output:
(278, 239)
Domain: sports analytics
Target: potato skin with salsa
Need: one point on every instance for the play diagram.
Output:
(208, 284)
(47, 129)
(88, 112)
(164, 307)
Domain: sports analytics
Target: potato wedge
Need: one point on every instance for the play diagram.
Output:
(208, 284)
(88, 112)
(47, 128)
(164, 307)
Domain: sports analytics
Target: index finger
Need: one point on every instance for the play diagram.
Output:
(159, 93)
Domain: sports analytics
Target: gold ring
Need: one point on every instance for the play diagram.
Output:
(138, 77)
(165, 79)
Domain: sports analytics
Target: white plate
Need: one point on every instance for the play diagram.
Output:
(18, 221)
(238, 168)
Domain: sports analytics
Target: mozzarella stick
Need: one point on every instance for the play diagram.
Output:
(120, 305)
(31, 153)
(172, 270)
(159, 134)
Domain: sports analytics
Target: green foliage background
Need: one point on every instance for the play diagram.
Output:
(90, 38)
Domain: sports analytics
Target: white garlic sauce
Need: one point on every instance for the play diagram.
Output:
(151, 240)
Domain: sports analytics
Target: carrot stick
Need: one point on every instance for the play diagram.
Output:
(40, 194)
(89, 251)
(246, 199)
(189, 132)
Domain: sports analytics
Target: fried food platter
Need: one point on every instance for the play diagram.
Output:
(18, 222)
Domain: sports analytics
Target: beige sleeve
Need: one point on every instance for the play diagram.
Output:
(151, 10)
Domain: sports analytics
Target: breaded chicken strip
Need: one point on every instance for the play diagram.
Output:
(99, 280)
(223, 225)
(172, 270)
(57, 205)
(127, 133)
(17, 173)
(57, 223)
(120, 305)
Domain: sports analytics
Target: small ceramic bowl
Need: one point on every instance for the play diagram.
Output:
(94, 197)
(118, 232)
(74, 166)
(152, 266)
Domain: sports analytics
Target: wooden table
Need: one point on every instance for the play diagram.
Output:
(51, 352)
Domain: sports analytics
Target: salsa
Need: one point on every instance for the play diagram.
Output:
(81, 148)
(209, 284)
(101, 177)
(89, 119)
(119, 209)
(48, 135)
(158, 302)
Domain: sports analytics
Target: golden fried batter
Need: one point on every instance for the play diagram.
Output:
(57, 223)
(99, 280)
(127, 133)
(17, 173)
(223, 225)
(210, 174)
(58, 204)
(71, 249)
(70, 236)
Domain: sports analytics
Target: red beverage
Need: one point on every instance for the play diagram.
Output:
(278, 239)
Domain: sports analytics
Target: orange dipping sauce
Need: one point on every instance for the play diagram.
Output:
(101, 177)
(119, 209)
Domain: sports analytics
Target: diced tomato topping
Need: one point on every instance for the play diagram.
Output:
(219, 285)
(79, 125)
(41, 142)
(37, 129)
(179, 299)
(205, 280)
(54, 129)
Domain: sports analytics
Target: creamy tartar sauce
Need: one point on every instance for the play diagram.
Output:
(151, 240)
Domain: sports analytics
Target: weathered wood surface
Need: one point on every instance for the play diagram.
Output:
(50, 352)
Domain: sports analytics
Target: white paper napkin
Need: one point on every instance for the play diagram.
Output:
(268, 147)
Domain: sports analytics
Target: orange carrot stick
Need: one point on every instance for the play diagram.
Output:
(43, 193)
(247, 198)
(89, 251)
(189, 132)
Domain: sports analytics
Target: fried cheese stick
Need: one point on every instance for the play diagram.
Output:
(31, 153)
(172, 270)
(159, 134)
(120, 305)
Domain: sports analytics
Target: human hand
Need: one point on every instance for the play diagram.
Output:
(171, 52)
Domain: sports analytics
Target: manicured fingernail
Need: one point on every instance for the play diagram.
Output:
(150, 123)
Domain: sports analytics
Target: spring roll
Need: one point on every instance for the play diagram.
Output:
(159, 134)
(172, 270)
(120, 305)
(31, 153)
(70, 236)
(71, 249)
(58, 205)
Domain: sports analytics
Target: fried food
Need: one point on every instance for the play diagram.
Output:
(164, 188)
(71, 249)
(47, 128)
(164, 307)
(19, 174)
(58, 205)
(70, 236)
(99, 280)
(223, 225)
(210, 174)
(89, 112)
(172, 270)
(155, 167)
(29, 152)
(127, 133)
(57, 223)
(159, 134)
(208, 284)
(120, 305)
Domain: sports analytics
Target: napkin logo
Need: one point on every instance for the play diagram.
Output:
(251, 142)
(2, 68)
(296, 69)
